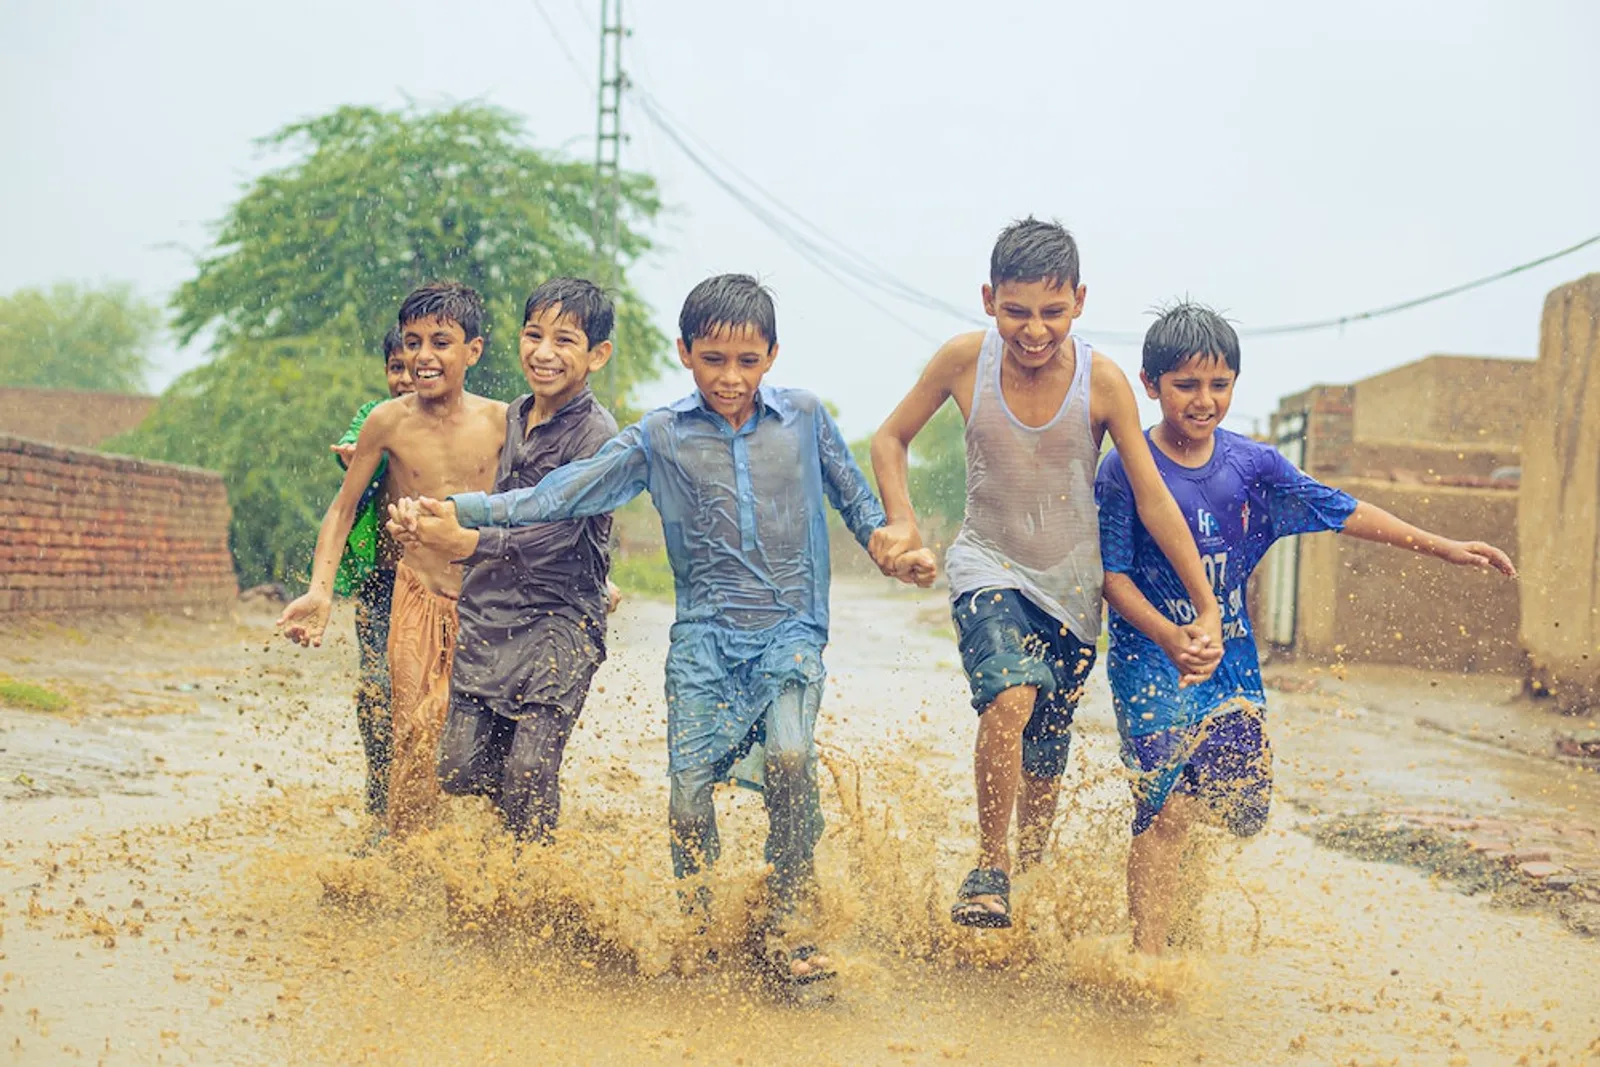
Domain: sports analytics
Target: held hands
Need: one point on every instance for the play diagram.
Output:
(304, 620)
(1477, 554)
(422, 522)
(1193, 651)
(897, 550)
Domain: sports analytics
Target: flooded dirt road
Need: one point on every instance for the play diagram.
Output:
(177, 883)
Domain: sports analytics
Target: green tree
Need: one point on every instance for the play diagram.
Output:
(77, 337)
(938, 475)
(377, 202)
(308, 269)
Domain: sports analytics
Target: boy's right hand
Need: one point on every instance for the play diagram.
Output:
(1192, 651)
(345, 453)
(304, 620)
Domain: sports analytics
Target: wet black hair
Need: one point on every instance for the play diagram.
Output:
(580, 300)
(393, 341)
(1185, 330)
(724, 302)
(447, 302)
(1032, 251)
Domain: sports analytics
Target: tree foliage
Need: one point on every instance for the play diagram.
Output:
(938, 475)
(77, 337)
(378, 202)
(308, 270)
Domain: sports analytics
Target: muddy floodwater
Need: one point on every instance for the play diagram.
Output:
(179, 880)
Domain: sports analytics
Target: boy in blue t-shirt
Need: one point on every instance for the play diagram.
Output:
(1201, 750)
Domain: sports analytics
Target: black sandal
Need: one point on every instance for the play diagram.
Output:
(779, 963)
(981, 882)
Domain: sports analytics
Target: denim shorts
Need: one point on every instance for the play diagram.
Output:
(1007, 640)
(1224, 760)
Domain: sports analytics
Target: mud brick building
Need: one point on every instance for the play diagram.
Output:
(1438, 442)
(83, 530)
(1560, 502)
(73, 417)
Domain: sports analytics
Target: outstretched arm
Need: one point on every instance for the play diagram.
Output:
(891, 446)
(1371, 523)
(305, 619)
(610, 478)
(852, 498)
(1157, 510)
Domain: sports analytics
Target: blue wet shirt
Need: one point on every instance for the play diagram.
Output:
(1241, 501)
(746, 527)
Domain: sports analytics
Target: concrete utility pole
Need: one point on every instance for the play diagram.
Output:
(607, 230)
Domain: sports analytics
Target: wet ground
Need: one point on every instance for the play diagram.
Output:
(177, 884)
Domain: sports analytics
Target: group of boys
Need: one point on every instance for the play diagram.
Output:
(500, 592)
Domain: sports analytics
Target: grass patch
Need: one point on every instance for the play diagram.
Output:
(645, 574)
(16, 694)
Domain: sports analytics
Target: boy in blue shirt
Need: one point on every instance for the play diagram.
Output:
(1200, 752)
(739, 472)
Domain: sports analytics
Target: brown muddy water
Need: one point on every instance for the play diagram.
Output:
(177, 882)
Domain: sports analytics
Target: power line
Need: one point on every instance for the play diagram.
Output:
(808, 249)
(1406, 305)
(821, 245)
(572, 60)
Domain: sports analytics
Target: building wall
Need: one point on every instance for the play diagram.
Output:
(1560, 501)
(1448, 400)
(1364, 602)
(73, 417)
(85, 530)
(1425, 462)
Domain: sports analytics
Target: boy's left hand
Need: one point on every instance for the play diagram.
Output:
(1478, 554)
(613, 596)
(917, 568)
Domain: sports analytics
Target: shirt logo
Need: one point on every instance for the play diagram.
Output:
(1244, 516)
(1205, 522)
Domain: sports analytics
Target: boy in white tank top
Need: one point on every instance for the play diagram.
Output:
(1025, 571)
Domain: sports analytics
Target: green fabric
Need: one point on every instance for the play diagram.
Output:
(361, 547)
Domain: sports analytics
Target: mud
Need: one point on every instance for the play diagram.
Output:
(178, 882)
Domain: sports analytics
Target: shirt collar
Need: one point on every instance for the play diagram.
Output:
(524, 407)
(767, 396)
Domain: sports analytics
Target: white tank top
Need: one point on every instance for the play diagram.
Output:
(1031, 522)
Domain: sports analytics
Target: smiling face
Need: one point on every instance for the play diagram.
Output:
(1194, 398)
(1034, 319)
(728, 367)
(398, 374)
(556, 357)
(437, 352)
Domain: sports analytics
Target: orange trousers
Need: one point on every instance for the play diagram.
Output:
(422, 645)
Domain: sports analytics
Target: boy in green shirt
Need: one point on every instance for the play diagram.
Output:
(366, 572)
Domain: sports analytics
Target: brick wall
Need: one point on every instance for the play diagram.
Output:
(85, 530)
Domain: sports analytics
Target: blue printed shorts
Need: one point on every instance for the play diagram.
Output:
(1224, 760)
(1007, 640)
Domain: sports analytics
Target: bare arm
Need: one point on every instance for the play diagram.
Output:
(1372, 523)
(1195, 658)
(891, 445)
(304, 620)
(1157, 510)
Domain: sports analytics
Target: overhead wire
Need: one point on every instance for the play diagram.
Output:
(842, 263)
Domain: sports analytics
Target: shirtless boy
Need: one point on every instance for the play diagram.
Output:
(439, 440)
(1025, 574)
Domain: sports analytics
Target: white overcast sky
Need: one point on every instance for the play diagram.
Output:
(1281, 161)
